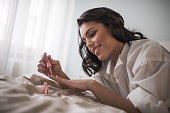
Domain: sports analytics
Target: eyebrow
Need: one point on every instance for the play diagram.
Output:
(89, 30)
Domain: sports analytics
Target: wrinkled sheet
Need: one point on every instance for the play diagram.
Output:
(21, 95)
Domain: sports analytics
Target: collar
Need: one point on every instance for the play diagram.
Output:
(121, 60)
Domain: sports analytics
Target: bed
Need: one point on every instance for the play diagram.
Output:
(21, 95)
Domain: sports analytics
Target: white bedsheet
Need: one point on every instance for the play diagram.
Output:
(20, 95)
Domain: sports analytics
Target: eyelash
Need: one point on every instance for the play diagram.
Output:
(92, 34)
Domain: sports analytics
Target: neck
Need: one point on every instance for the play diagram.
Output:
(117, 52)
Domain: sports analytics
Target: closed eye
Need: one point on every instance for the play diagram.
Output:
(92, 34)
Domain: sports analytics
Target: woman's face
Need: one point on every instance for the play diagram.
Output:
(99, 40)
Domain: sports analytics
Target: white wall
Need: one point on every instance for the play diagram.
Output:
(151, 17)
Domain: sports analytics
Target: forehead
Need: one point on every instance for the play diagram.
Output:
(87, 25)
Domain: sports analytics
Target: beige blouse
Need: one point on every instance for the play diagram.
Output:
(141, 74)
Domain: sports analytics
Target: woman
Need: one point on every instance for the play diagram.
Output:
(129, 71)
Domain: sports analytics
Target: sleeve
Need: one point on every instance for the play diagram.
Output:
(149, 86)
(146, 102)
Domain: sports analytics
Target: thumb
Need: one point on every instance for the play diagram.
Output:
(50, 59)
(53, 61)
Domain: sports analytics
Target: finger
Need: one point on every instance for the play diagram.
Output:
(44, 72)
(43, 63)
(41, 67)
(45, 54)
(49, 64)
(52, 77)
(51, 60)
(44, 57)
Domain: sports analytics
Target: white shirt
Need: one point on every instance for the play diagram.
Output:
(141, 74)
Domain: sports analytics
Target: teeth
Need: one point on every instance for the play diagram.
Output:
(96, 50)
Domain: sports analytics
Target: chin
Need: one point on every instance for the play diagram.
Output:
(101, 58)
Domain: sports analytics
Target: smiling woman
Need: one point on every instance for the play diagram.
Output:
(99, 40)
(109, 31)
(129, 73)
(125, 66)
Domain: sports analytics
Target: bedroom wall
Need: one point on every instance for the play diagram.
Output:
(151, 17)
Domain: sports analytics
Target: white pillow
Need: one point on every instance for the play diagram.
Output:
(165, 44)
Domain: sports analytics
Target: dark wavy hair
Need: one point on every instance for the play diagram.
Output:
(111, 20)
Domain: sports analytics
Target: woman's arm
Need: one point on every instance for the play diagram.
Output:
(106, 96)
(64, 76)
(102, 93)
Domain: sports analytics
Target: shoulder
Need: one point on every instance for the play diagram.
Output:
(145, 50)
(144, 44)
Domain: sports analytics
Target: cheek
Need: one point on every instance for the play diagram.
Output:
(99, 38)
(103, 37)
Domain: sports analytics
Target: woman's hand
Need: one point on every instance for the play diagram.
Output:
(56, 67)
(78, 85)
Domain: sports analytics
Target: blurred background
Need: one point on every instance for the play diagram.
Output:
(28, 28)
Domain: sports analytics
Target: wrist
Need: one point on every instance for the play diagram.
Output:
(91, 84)
(63, 75)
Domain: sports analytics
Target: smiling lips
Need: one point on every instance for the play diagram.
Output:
(95, 49)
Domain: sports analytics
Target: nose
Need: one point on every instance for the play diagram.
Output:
(89, 43)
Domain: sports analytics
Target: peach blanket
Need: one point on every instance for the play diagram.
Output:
(20, 94)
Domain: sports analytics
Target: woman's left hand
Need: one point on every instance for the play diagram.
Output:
(78, 85)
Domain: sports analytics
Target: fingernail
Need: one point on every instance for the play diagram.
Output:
(45, 83)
